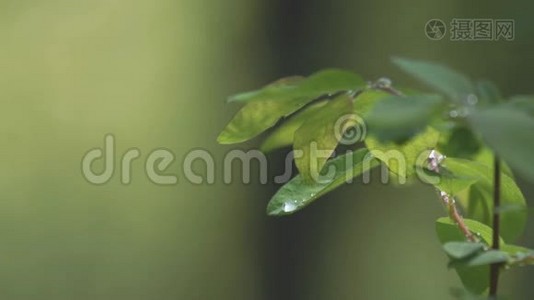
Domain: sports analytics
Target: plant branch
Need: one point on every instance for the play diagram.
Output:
(384, 84)
(456, 217)
(495, 268)
(434, 160)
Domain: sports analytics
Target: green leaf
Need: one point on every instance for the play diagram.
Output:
(364, 102)
(461, 143)
(401, 159)
(438, 77)
(475, 279)
(317, 138)
(463, 294)
(468, 253)
(448, 231)
(276, 89)
(256, 117)
(469, 261)
(318, 84)
(296, 194)
(514, 249)
(263, 108)
(508, 131)
(488, 257)
(482, 258)
(460, 250)
(398, 118)
(486, 157)
(479, 204)
(523, 102)
(284, 135)
(488, 92)
(523, 259)
(521, 256)
(456, 176)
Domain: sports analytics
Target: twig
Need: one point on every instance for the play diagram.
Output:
(456, 217)
(434, 160)
(385, 85)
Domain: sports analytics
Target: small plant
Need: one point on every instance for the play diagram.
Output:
(464, 139)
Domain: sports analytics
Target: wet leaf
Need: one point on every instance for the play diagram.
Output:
(437, 76)
(295, 87)
(256, 117)
(523, 102)
(479, 204)
(397, 119)
(317, 138)
(488, 92)
(460, 250)
(448, 231)
(284, 135)
(461, 143)
(296, 194)
(508, 131)
(487, 258)
(277, 89)
(364, 102)
(263, 108)
(475, 279)
(401, 159)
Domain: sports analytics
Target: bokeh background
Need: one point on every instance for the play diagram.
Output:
(156, 74)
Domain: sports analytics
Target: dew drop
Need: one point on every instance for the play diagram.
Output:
(383, 83)
(290, 206)
(464, 111)
(472, 99)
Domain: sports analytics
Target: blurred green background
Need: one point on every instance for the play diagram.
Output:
(156, 74)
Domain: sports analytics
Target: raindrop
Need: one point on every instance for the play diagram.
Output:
(290, 206)
(464, 111)
(383, 83)
(435, 155)
(472, 99)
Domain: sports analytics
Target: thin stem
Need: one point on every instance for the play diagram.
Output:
(456, 217)
(434, 160)
(391, 90)
(384, 85)
(495, 268)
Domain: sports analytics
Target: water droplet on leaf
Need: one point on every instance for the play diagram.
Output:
(290, 206)
(472, 99)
